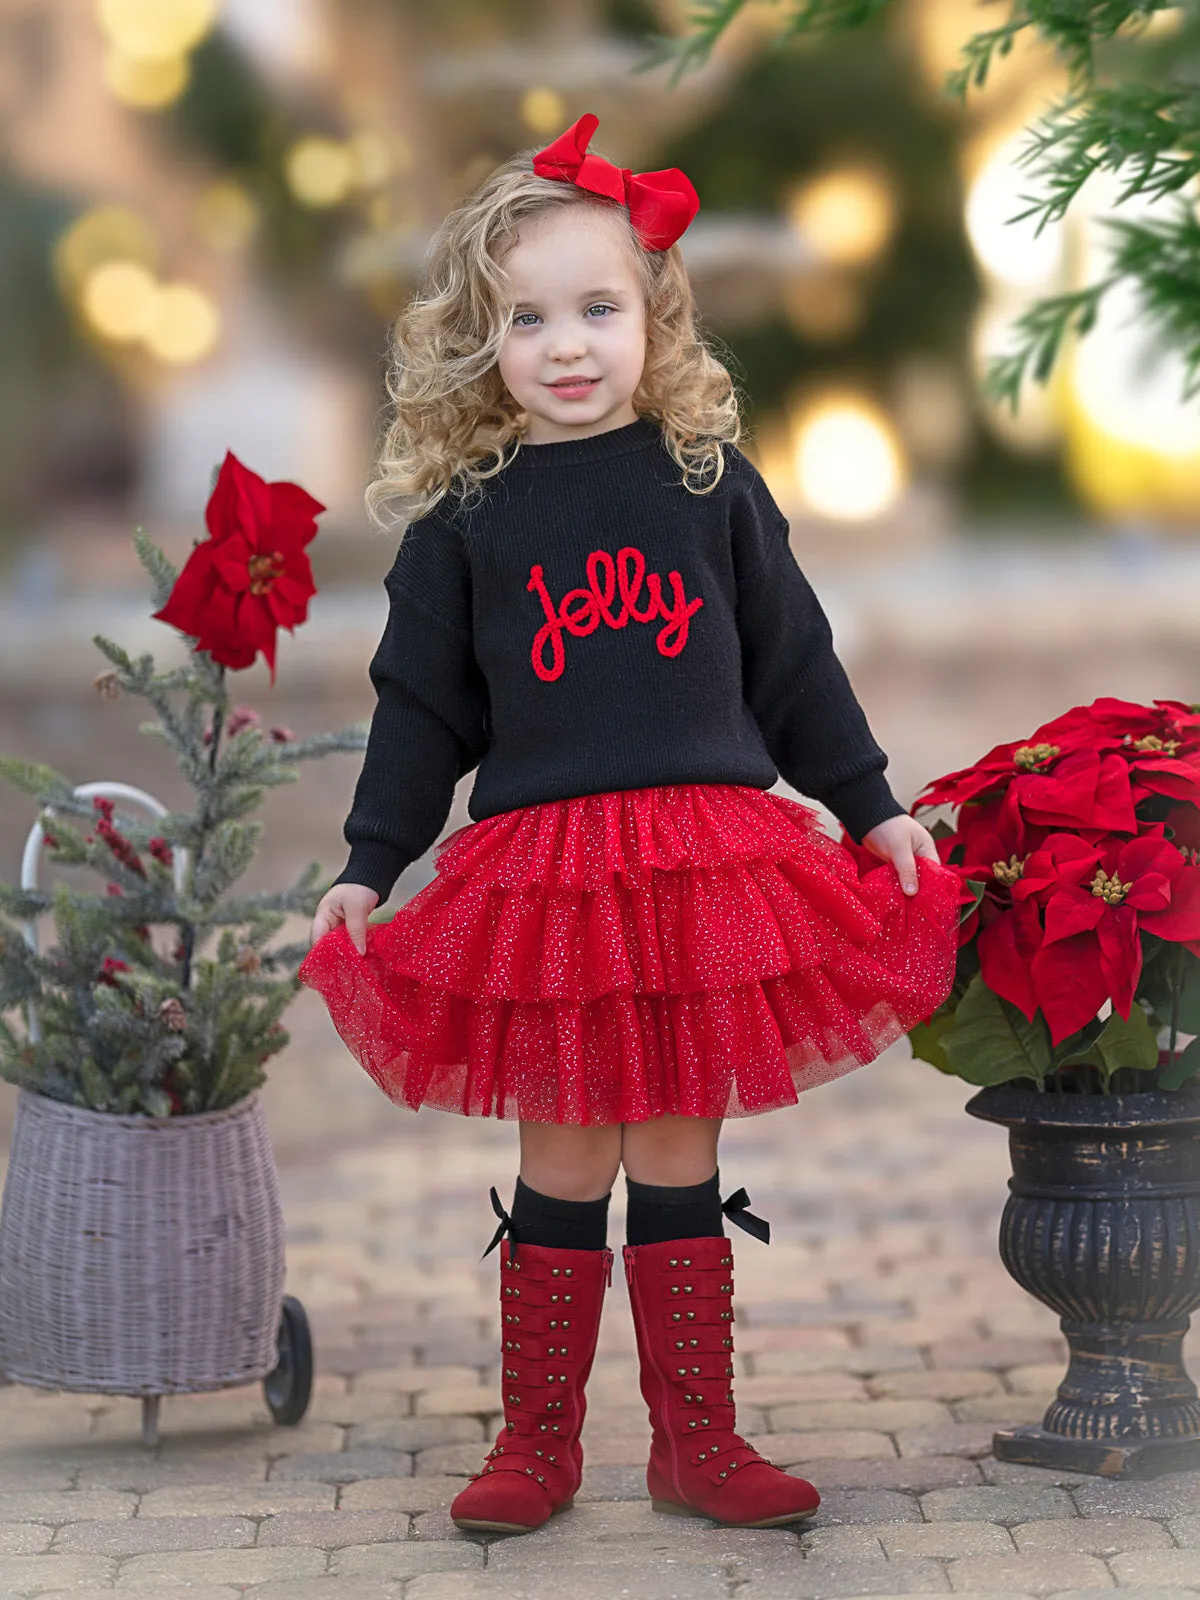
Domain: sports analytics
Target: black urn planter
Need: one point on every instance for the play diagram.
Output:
(1102, 1225)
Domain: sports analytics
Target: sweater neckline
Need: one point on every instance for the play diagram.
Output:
(636, 435)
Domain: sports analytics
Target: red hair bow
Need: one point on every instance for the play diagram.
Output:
(661, 204)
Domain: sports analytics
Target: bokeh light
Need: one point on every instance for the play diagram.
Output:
(156, 29)
(225, 215)
(848, 462)
(185, 326)
(105, 233)
(543, 111)
(846, 215)
(119, 300)
(371, 159)
(823, 308)
(319, 171)
(1015, 253)
(146, 82)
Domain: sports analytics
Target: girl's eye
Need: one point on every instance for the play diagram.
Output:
(526, 319)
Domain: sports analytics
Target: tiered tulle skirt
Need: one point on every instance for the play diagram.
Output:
(698, 949)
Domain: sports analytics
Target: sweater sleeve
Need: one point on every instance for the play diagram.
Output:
(813, 726)
(429, 728)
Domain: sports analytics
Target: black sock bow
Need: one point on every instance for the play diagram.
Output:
(507, 1226)
(735, 1208)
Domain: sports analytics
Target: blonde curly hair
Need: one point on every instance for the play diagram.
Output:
(453, 422)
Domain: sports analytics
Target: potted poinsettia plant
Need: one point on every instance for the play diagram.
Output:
(1076, 1010)
(141, 1178)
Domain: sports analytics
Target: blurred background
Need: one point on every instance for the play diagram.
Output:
(210, 210)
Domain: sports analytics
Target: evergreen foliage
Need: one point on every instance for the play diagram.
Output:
(121, 1026)
(1132, 109)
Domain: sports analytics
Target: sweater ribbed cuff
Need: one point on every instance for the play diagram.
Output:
(375, 865)
(862, 804)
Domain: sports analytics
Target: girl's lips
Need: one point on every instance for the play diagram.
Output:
(571, 391)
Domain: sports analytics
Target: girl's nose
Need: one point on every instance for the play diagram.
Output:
(568, 345)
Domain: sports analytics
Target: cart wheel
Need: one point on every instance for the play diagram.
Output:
(289, 1388)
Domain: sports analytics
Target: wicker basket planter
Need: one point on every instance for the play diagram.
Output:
(143, 1256)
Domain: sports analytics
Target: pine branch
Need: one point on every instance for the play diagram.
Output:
(1076, 27)
(1155, 132)
(353, 737)
(286, 955)
(835, 16)
(1163, 259)
(306, 892)
(45, 785)
(25, 904)
(230, 850)
(249, 758)
(1073, 27)
(1041, 332)
(163, 576)
(691, 50)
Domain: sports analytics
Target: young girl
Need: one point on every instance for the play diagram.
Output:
(595, 604)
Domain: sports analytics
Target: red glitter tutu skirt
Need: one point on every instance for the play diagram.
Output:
(698, 949)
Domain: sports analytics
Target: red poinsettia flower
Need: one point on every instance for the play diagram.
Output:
(1156, 741)
(1007, 947)
(1074, 730)
(1084, 790)
(1097, 900)
(1183, 822)
(1166, 720)
(251, 576)
(984, 846)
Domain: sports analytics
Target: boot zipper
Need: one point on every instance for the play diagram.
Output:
(636, 1295)
(608, 1266)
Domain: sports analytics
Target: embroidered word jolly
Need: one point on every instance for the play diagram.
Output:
(580, 611)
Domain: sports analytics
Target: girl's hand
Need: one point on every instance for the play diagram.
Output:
(351, 903)
(899, 840)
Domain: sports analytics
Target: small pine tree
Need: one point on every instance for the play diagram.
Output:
(121, 1027)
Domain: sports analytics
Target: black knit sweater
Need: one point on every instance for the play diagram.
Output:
(590, 624)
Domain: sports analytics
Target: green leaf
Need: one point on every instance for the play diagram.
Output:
(1189, 998)
(978, 888)
(992, 1042)
(1122, 1042)
(1185, 1065)
(926, 1038)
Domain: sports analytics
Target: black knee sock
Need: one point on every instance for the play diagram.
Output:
(542, 1219)
(659, 1214)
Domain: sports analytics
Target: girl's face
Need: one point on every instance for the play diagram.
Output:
(575, 352)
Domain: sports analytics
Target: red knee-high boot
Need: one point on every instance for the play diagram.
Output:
(550, 1303)
(682, 1294)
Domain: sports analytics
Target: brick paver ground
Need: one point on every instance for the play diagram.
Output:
(879, 1340)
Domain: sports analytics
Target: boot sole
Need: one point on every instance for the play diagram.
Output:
(509, 1527)
(668, 1508)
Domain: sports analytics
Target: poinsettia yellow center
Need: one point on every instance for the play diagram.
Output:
(1008, 871)
(1030, 756)
(1153, 742)
(1111, 890)
(264, 570)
